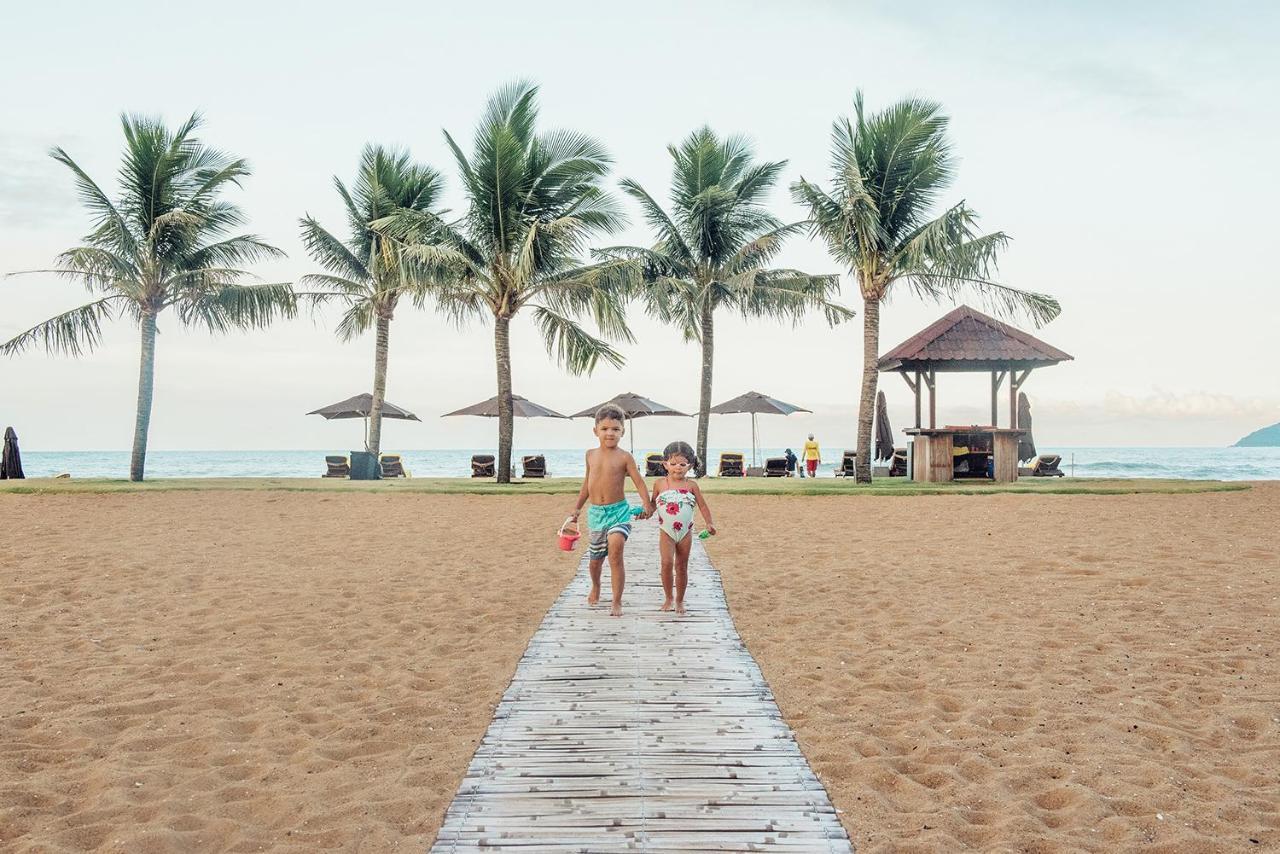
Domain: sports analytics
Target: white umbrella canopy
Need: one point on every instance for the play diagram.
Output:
(757, 404)
(633, 406)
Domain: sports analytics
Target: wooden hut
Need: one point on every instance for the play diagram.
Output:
(968, 340)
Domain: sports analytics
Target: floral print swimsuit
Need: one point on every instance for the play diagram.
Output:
(675, 512)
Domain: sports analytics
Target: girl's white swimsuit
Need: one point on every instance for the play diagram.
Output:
(675, 512)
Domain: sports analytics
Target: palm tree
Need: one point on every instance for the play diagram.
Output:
(368, 272)
(712, 252)
(888, 171)
(163, 244)
(533, 202)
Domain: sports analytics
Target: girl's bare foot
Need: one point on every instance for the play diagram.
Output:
(666, 605)
(594, 596)
(680, 608)
(616, 610)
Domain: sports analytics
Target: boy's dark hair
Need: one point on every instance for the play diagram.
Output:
(680, 449)
(611, 412)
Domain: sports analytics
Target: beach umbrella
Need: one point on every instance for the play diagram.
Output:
(359, 407)
(757, 404)
(521, 407)
(884, 433)
(10, 459)
(1026, 444)
(633, 406)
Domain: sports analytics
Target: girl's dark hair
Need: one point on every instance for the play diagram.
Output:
(680, 449)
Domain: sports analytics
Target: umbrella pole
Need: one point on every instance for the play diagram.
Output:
(755, 441)
(630, 424)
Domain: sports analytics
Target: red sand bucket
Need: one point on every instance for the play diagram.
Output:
(568, 534)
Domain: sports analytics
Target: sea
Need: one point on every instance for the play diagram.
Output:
(1190, 463)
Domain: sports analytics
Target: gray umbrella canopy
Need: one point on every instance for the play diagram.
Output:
(884, 433)
(522, 408)
(10, 459)
(757, 404)
(633, 406)
(359, 407)
(1026, 444)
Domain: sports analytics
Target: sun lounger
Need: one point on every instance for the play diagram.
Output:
(482, 465)
(730, 465)
(338, 466)
(847, 463)
(393, 466)
(653, 466)
(534, 466)
(1046, 465)
(775, 467)
(898, 465)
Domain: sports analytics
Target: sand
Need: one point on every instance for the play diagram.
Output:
(255, 671)
(1045, 674)
(245, 671)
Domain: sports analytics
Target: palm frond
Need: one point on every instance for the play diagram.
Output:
(73, 332)
(230, 307)
(576, 349)
(331, 253)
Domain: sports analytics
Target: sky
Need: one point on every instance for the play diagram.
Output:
(1127, 148)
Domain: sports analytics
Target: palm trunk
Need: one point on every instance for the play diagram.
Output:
(870, 373)
(502, 347)
(704, 401)
(146, 388)
(379, 386)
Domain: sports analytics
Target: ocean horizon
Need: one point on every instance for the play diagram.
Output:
(1192, 463)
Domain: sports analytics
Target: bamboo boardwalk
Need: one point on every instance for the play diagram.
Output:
(646, 732)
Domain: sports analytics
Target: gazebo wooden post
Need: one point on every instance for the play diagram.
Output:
(933, 402)
(1013, 397)
(915, 389)
(997, 377)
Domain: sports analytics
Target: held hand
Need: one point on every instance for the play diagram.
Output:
(711, 529)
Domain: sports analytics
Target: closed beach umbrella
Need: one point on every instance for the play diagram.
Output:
(360, 407)
(1026, 444)
(633, 406)
(884, 433)
(10, 459)
(757, 404)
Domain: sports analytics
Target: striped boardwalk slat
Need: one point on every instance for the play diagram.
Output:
(648, 732)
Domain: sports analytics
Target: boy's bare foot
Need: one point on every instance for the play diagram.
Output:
(594, 596)
(666, 605)
(616, 610)
(680, 608)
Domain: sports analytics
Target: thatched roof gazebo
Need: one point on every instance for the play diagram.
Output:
(968, 340)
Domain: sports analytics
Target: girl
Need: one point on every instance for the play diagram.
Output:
(675, 497)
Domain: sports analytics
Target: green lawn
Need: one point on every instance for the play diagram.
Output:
(566, 486)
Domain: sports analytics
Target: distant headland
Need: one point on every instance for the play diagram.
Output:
(1267, 437)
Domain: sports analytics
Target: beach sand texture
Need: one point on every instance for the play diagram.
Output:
(1019, 673)
(256, 671)
(235, 671)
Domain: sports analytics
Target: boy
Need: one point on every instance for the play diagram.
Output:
(610, 515)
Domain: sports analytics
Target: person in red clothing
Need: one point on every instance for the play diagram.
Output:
(812, 456)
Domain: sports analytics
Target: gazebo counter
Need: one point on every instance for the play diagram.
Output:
(933, 459)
